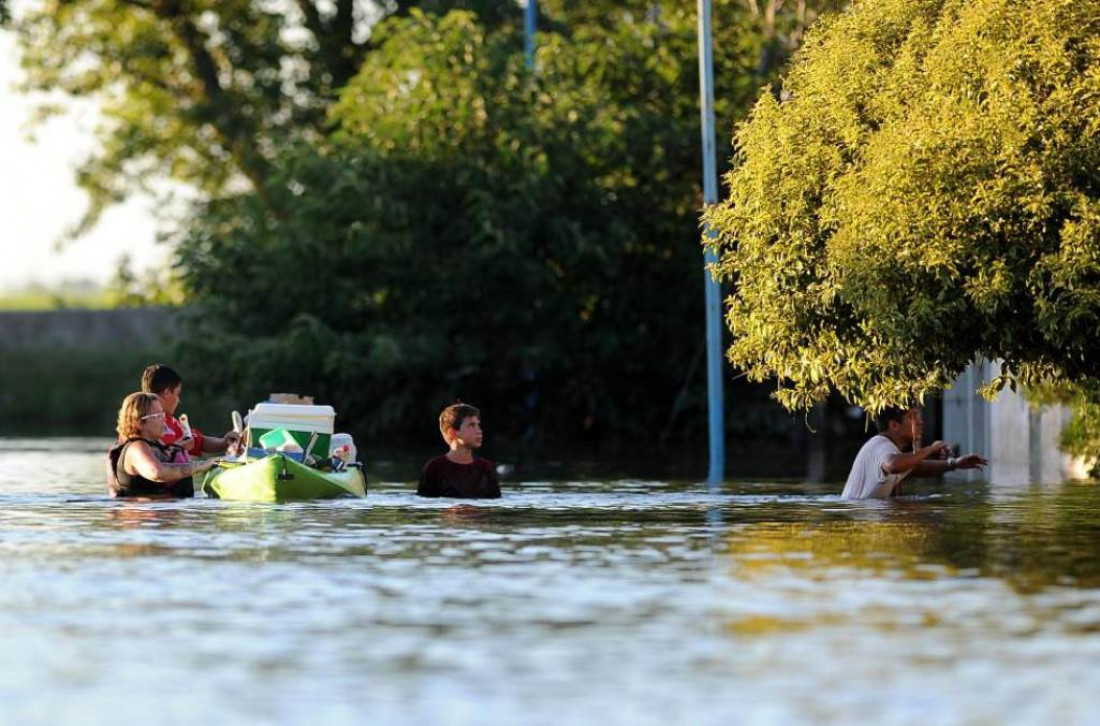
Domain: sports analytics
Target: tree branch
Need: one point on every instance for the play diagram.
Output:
(314, 21)
(139, 4)
(205, 66)
(340, 53)
(345, 21)
(237, 130)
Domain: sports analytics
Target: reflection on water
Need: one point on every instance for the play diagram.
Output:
(563, 603)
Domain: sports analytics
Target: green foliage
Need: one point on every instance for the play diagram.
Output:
(455, 227)
(471, 231)
(205, 91)
(1081, 437)
(80, 395)
(189, 90)
(927, 194)
(155, 287)
(200, 91)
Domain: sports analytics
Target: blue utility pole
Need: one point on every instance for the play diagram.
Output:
(716, 425)
(529, 16)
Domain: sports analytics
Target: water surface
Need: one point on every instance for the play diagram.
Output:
(566, 602)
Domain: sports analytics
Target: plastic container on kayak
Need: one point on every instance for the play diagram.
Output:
(343, 447)
(280, 440)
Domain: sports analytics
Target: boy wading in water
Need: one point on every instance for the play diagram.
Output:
(880, 466)
(458, 473)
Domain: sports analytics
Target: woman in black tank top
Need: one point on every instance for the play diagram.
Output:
(139, 465)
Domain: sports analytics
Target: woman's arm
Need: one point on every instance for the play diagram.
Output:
(139, 460)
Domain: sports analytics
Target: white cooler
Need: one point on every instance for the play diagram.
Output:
(301, 421)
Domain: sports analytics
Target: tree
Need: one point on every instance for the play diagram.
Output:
(205, 91)
(199, 91)
(927, 193)
(470, 230)
(190, 89)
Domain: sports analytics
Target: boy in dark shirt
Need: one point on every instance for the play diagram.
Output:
(458, 473)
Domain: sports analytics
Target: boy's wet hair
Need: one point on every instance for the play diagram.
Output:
(888, 414)
(158, 378)
(452, 417)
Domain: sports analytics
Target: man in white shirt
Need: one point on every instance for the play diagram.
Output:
(880, 466)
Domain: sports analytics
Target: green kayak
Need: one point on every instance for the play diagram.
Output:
(276, 478)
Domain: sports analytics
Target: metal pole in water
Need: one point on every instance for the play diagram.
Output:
(529, 16)
(716, 424)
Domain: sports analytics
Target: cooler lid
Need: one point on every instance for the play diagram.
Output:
(287, 410)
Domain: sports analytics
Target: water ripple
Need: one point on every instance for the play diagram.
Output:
(580, 602)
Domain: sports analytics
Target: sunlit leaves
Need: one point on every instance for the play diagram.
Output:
(926, 196)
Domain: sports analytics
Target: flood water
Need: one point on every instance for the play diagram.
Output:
(567, 602)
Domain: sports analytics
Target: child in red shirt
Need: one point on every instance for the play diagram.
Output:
(168, 385)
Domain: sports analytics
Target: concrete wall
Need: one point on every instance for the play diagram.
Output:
(1021, 442)
(87, 329)
(966, 422)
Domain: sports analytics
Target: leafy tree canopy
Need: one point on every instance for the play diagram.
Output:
(201, 91)
(927, 194)
(468, 229)
(206, 91)
(195, 90)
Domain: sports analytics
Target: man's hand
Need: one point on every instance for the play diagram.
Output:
(970, 461)
(937, 448)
